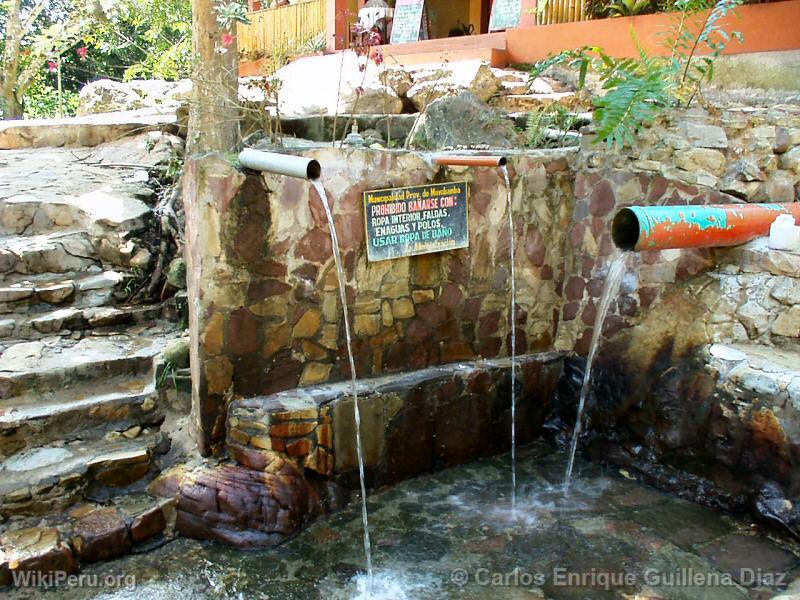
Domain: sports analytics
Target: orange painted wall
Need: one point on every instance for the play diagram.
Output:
(766, 27)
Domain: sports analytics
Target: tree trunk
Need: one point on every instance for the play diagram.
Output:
(12, 108)
(214, 107)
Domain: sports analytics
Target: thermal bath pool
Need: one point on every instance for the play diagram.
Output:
(453, 535)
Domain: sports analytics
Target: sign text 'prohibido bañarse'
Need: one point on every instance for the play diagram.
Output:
(416, 220)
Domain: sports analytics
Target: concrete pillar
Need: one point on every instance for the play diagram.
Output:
(338, 16)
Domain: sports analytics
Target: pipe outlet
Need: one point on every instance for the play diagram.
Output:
(281, 164)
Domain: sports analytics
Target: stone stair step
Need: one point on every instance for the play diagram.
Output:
(78, 413)
(51, 478)
(751, 371)
(55, 364)
(529, 102)
(39, 293)
(67, 320)
(87, 532)
(61, 252)
(100, 211)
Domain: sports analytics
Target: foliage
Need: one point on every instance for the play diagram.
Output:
(548, 127)
(142, 39)
(231, 12)
(638, 90)
(628, 8)
(41, 100)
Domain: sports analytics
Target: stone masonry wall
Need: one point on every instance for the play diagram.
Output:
(695, 156)
(267, 315)
(267, 318)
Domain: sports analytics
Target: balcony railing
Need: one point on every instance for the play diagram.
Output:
(282, 27)
(562, 11)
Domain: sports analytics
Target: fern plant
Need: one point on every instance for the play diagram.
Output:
(638, 90)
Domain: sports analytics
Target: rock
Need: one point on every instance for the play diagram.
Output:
(101, 535)
(786, 290)
(788, 324)
(754, 317)
(436, 81)
(176, 273)
(176, 353)
(398, 79)
(238, 506)
(327, 85)
(694, 159)
(105, 95)
(791, 160)
(57, 293)
(141, 260)
(463, 120)
(704, 136)
(37, 550)
(7, 327)
(779, 187)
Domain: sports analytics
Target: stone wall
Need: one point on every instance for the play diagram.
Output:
(267, 316)
(697, 385)
(692, 157)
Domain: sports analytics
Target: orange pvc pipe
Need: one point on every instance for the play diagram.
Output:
(665, 227)
(472, 161)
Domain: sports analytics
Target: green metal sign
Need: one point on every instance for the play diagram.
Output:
(416, 220)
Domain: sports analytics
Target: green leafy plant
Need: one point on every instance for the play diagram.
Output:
(628, 8)
(638, 90)
(549, 126)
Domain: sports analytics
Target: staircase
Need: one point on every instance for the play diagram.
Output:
(81, 418)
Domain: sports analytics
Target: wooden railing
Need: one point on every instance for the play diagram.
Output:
(562, 11)
(282, 27)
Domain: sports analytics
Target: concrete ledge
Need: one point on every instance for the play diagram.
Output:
(411, 423)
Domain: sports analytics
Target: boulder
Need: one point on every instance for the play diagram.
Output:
(319, 85)
(238, 506)
(435, 81)
(463, 121)
(105, 95)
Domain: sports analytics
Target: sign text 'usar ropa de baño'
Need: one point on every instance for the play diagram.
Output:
(416, 220)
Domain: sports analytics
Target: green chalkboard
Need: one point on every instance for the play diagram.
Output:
(407, 21)
(506, 14)
(416, 220)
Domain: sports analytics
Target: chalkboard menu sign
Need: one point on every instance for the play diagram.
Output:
(407, 21)
(506, 14)
(416, 220)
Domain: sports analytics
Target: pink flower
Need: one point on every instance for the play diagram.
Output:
(52, 65)
(377, 56)
(359, 91)
(228, 39)
(83, 52)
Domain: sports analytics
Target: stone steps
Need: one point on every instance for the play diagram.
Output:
(48, 479)
(88, 532)
(40, 293)
(529, 102)
(65, 321)
(84, 412)
(61, 252)
(43, 367)
(100, 211)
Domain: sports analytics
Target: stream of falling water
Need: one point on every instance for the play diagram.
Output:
(616, 271)
(337, 257)
(513, 319)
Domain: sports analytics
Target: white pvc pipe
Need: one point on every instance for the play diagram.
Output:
(282, 164)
